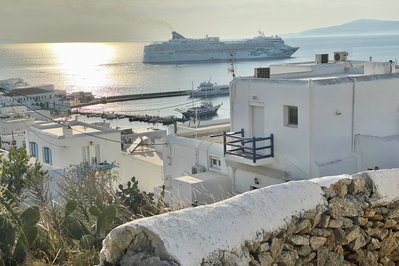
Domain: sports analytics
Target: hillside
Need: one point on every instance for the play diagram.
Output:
(360, 27)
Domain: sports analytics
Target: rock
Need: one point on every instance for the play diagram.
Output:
(345, 207)
(263, 247)
(309, 257)
(317, 241)
(252, 246)
(367, 257)
(138, 259)
(329, 193)
(368, 213)
(276, 247)
(341, 187)
(346, 222)
(388, 245)
(390, 223)
(357, 186)
(339, 250)
(338, 235)
(265, 259)
(231, 258)
(141, 243)
(302, 225)
(254, 262)
(266, 236)
(319, 212)
(320, 232)
(359, 200)
(353, 233)
(288, 247)
(360, 221)
(393, 213)
(387, 261)
(379, 233)
(324, 220)
(288, 258)
(377, 217)
(358, 243)
(322, 256)
(334, 223)
(303, 250)
(299, 240)
(378, 224)
(374, 244)
(382, 210)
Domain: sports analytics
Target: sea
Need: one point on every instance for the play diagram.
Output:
(107, 69)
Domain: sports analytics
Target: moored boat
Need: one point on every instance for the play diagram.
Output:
(200, 111)
(209, 89)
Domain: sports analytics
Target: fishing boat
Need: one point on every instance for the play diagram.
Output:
(209, 89)
(200, 111)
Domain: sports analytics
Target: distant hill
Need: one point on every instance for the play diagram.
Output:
(362, 26)
(10, 41)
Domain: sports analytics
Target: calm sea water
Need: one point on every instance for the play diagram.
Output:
(116, 68)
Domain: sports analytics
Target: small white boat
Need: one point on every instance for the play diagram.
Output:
(209, 89)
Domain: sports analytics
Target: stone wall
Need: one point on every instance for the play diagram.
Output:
(339, 220)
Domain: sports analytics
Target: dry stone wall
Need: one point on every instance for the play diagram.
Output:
(341, 220)
(355, 228)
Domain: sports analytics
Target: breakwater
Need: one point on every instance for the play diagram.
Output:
(165, 120)
(131, 97)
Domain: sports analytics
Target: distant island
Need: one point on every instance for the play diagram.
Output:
(356, 27)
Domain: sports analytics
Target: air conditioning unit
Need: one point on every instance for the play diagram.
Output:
(197, 169)
(321, 58)
(262, 72)
(340, 56)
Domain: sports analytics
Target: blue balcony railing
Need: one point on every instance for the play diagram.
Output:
(255, 148)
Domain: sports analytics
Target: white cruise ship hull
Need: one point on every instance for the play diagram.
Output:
(183, 50)
(179, 57)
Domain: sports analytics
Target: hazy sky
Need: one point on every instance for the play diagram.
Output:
(124, 20)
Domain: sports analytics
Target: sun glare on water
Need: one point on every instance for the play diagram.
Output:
(84, 64)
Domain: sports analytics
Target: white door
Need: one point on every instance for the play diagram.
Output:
(258, 125)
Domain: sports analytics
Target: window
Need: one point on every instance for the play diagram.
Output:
(47, 158)
(215, 162)
(33, 150)
(290, 116)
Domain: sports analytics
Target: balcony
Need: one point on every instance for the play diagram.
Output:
(254, 151)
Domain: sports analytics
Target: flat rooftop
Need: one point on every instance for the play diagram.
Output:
(330, 70)
(76, 130)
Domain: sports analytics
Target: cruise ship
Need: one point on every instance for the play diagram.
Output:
(183, 50)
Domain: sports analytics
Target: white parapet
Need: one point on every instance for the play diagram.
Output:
(190, 236)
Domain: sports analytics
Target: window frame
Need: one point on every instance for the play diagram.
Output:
(215, 162)
(291, 116)
(33, 149)
(47, 156)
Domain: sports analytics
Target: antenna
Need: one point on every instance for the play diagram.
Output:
(231, 68)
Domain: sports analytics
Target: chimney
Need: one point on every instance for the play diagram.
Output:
(66, 131)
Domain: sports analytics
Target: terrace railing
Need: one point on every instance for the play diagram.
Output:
(255, 148)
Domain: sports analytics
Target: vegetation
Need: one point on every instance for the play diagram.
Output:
(68, 228)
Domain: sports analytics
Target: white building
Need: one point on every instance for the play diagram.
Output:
(141, 159)
(59, 146)
(36, 97)
(316, 119)
(14, 122)
(194, 167)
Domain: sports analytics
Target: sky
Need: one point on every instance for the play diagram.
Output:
(151, 20)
